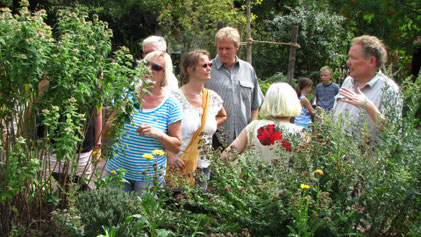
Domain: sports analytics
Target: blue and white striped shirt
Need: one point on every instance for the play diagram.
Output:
(128, 154)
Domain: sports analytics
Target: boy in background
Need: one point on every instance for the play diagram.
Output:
(326, 90)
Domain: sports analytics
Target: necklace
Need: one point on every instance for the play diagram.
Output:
(190, 93)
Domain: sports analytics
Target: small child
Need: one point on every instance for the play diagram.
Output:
(326, 90)
(303, 88)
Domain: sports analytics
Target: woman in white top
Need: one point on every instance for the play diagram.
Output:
(275, 131)
(196, 101)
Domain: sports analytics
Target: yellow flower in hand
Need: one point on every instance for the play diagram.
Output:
(318, 171)
(148, 156)
(158, 152)
(304, 186)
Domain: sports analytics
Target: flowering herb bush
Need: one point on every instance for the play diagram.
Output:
(54, 78)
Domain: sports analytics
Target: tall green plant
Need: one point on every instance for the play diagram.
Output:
(54, 80)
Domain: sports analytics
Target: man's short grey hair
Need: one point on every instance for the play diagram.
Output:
(372, 46)
(160, 42)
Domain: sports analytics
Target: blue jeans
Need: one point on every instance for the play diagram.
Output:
(206, 172)
(136, 186)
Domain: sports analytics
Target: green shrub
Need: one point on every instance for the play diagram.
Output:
(57, 78)
(350, 186)
(103, 207)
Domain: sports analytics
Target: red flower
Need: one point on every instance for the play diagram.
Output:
(268, 134)
(287, 145)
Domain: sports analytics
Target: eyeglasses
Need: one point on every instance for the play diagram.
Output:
(155, 67)
(207, 65)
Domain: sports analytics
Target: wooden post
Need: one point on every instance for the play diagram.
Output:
(292, 54)
(249, 43)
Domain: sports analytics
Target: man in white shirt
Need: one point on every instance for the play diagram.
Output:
(367, 94)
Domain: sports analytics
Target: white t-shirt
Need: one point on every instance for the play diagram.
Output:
(192, 118)
(267, 153)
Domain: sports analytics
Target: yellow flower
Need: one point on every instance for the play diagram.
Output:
(95, 153)
(158, 152)
(304, 186)
(113, 172)
(148, 156)
(318, 171)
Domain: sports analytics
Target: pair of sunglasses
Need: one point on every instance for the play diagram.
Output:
(154, 66)
(207, 65)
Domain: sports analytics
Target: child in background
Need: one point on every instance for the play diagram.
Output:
(303, 88)
(326, 90)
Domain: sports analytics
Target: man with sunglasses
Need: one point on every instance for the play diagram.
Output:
(236, 82)
(154, 43)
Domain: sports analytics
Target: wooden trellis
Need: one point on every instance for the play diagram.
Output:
(293, 45)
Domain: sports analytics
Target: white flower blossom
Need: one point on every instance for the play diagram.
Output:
(21, 140)
(150, 82)
(72, 99)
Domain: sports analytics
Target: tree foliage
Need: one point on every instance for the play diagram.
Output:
(396, 22)
(193, 23)
(321, 36)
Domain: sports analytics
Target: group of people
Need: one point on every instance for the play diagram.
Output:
(219, 102)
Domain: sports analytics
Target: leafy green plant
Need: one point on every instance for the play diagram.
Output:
(97, 208)
(55, 81)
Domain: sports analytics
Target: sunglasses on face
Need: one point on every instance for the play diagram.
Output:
(207, 65)
(154, 66)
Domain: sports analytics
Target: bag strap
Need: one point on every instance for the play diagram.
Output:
(205, 104)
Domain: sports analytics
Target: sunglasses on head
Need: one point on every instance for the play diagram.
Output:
(207, 65)
(154, 66)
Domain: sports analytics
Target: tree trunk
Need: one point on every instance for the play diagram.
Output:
(292, 54)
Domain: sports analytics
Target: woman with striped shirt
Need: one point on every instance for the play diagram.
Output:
(157, 126)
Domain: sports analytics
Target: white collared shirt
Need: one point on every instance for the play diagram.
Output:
(381, 90)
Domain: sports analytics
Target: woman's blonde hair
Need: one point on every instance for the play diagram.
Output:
(280, 101)
(168, 69)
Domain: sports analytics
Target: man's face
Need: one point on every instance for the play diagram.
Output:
(149, 48)
(226, 50)
(358, 65)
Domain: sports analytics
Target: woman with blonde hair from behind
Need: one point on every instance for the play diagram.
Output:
(274, 129)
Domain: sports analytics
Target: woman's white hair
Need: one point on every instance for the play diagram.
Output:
(167, 67)
(280, 101)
